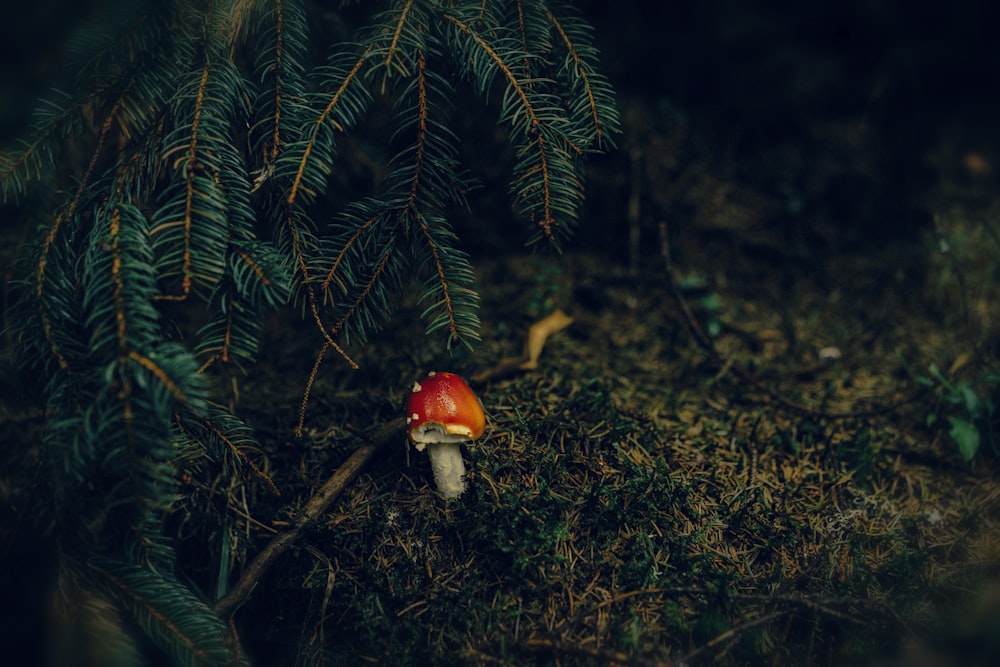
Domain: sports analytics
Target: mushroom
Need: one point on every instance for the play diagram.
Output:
(442, 412)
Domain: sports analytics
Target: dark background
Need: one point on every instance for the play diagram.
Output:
(748, 76)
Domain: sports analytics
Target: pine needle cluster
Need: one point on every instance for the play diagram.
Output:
(210, 132)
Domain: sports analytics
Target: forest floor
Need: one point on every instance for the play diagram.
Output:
(640, 499)
(787, 489)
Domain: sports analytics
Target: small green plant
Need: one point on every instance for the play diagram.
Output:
(966, 410)
(709, 303)
(211, 135)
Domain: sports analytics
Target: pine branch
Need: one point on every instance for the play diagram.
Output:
(426, 171)
(207, 200)
(545, 185)
(135, 380)
(375, 269)
(128, 33)
(452, 303)
(528, 17)
(257, 279)
(117, 58)
(303, 168)
(310, 159)
(392, 59)
(218, 437)
(117, 284)
(593, 108)
(55, 120)
(53, 234)
(280, 66)
(179, 623)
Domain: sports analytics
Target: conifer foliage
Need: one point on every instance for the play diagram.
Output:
(209, 131)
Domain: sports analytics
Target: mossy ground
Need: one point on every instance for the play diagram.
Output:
(634, 502)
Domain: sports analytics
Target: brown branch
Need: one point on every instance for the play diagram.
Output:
(538, 334)
(731, 634)
(394, 44)
(317, 505)
(308, 390)
(706, 344)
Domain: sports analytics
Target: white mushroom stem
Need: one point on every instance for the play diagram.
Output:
(448, 468)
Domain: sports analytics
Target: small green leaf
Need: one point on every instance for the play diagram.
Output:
(692, 283)
(711, 302)
(936, 372)
(972, 403)
(966, 435)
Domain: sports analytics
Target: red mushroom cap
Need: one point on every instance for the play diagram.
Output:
(442, 408)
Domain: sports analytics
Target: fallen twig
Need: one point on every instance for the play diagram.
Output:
(705, 343)
(313, 509)
(730, 634)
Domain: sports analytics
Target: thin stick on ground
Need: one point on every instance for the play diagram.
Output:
(330, 491)
(705, 343)
(730, 634)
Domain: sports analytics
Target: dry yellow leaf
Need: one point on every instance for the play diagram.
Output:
(539, 333)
